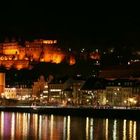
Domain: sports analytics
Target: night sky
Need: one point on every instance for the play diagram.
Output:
(75, 26)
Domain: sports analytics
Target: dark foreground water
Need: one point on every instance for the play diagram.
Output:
(26, 126)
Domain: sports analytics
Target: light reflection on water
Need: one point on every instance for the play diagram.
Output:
(24, 126)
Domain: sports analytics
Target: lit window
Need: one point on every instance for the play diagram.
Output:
(119, 84)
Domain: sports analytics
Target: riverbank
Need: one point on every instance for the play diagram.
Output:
(77, 111)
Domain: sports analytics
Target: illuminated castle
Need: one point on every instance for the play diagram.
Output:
(15, 55)
(12, 54)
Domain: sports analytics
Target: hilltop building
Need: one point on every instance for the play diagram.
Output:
(12, 54)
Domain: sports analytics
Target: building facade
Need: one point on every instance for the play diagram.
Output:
(118, 92)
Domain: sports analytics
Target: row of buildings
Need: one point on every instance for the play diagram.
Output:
(74, 91)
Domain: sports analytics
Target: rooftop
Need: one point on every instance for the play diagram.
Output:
(94, 84)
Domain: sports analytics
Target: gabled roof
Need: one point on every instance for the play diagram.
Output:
(78, 78)
(94, 84)
(59, 80)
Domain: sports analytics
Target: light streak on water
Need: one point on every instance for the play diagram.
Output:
(40, 127)
(124, 129)
(135, 131)
(87, 128)
(68, 128)
(51, 127)
(24, 126)
(106, 129)
(13, 126)
(64, 128)
(115, 130)
(2, 124)
(91, 129)
(130, 130)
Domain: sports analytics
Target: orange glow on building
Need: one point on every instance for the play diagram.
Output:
(11, 48)
(14, 55)
(95, 55)
(72, 60)
(17, 56)
(10, 51)
(54, 57)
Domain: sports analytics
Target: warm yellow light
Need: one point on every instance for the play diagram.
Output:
(125, 101)
(132, 100)
(49, 41)
(11, 51)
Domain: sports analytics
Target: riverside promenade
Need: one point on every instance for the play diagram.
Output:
(99, 112)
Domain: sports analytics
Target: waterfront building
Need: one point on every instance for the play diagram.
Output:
(78, 82)
(44, 95)
(93, 92)
(18, 90)
(74, 91)
(118, 92)
(9, 93)
(62, 90)
(59, 90)
(38, 87)
(122, 92)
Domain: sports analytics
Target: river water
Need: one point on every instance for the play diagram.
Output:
(26, 126)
